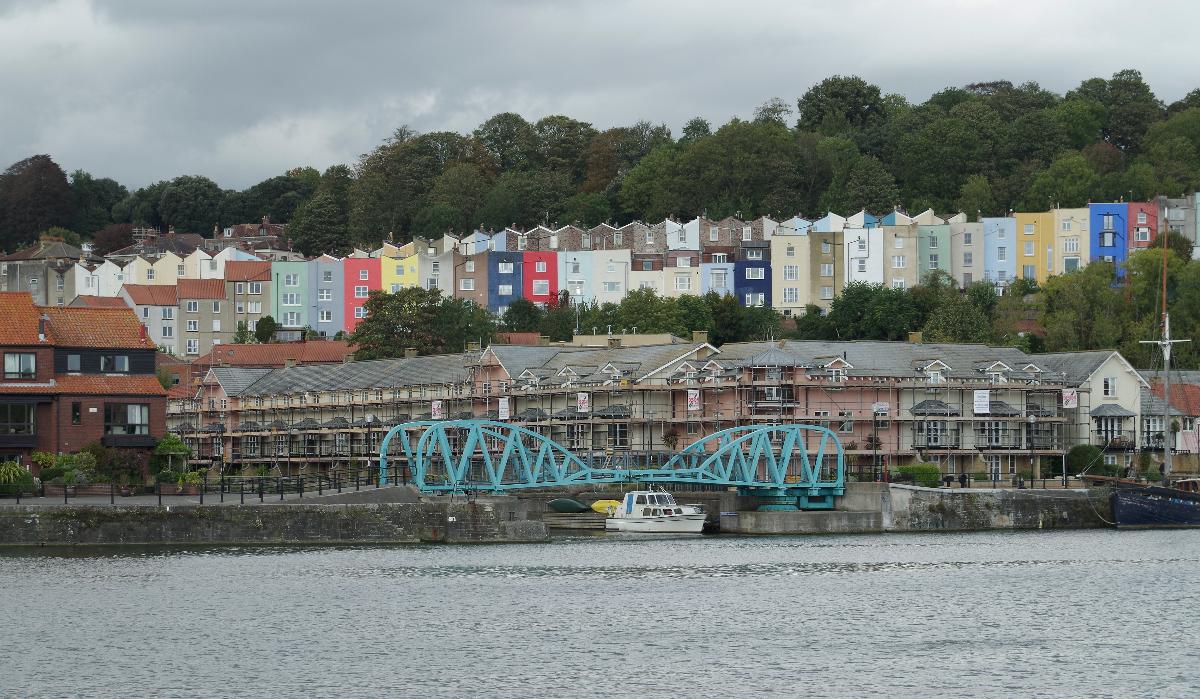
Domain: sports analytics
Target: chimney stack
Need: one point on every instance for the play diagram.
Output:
(410, 352)
(44, 321)
(614, 343)
(699, 336)
(916, 338)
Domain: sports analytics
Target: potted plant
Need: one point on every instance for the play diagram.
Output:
(189, 483)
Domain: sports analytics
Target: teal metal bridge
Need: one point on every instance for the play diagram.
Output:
(789, 466)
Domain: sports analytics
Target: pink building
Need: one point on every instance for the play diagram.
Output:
(361, 276)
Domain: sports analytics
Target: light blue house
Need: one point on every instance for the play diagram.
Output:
(999, 252)
(575, 275)
(290, 286)
(325, 303)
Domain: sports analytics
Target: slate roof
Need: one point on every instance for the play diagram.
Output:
(45, 250)
(933, 406)
(1153, 403)
(1077, 366)
(1111, 410)
(379, 373)
(152, 294)
(235, 380)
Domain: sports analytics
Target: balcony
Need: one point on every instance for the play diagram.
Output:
(945, 439)
(1117, 440)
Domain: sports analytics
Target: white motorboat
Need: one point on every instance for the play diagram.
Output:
(654, 511)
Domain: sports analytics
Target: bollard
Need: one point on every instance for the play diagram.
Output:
(242, 491)
(260, 489)
(64, 492)
(300, 482)
(320, 486)
(280, 482)
(337, 481)
(111, 500)
(158, 489)
(356, 480)
(203, 487)
(222, 487)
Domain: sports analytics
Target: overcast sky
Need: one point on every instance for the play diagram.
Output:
(142, 90)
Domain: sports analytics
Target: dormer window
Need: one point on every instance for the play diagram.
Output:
(997, 377)
(837, 374)
(935, 376)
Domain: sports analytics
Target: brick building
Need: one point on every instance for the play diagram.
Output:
(74, 376)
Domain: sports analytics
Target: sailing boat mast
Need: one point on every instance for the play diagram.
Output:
(1165, 344)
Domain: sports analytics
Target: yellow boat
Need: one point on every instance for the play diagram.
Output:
(606, 507)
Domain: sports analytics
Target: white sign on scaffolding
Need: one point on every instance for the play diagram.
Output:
(983, 402)
(583, 402)
(693, 400)
(435, 410)
(502, 411)
(1070, 398)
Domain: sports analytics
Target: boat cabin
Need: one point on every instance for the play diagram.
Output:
(649, 503)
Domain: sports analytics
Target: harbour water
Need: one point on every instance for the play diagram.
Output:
(1071, 613)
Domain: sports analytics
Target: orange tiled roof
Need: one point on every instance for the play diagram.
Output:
(91, 384)
(20, 326)
(183, 389)
(101, 301)
(1185, 397)
(201, 288)
(248, 271)
(152, 294)
(116, 328)
(276, 353)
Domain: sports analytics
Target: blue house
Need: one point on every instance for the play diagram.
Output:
(1109, 239)
(999, 250)
(504, 279)
(752, 273)
(326, 295)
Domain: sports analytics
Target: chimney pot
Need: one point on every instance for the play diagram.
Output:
(410, 352)
(699, 336)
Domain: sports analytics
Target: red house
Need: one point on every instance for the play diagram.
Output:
(540, 276)
(74, 376)
(361, 276)
(1143, 224)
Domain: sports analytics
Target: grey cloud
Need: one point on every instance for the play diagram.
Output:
(145, 90)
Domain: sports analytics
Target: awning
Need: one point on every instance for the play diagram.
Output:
(933, 406)
(1111, 410)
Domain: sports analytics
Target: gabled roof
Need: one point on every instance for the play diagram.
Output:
(101, 328)
(152, 294)
(235, 380)
(201, 288)
(933, 406)
(248, 271)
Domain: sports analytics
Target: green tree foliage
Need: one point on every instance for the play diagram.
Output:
(975, 198)
(192, 204)
(840, 104)
(1085, 458)
(421, 319)
(870, 186)
(265, 329)
(509, 140)
(523, 316)
(529, 197)
(34, 196)
(320, 227)
(94, 201)
(1069, 182)
(243, 336)
(586, 209)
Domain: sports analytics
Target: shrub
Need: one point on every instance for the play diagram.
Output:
(167, 476)
(928, 475)
(15, 478)
(1085, 457)
(1151, 472)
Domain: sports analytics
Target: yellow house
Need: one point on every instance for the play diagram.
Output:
(790, 288)
(1072, 239)
(399, 272)
(1034, 250)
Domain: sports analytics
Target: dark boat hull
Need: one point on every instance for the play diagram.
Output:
(1155, 507)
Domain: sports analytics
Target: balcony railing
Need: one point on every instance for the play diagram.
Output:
(946, 439)
(1114, 439)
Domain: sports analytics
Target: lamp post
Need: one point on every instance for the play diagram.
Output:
(1032, 420)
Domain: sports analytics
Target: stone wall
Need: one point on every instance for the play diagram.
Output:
(265, 524)
(911, 508)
